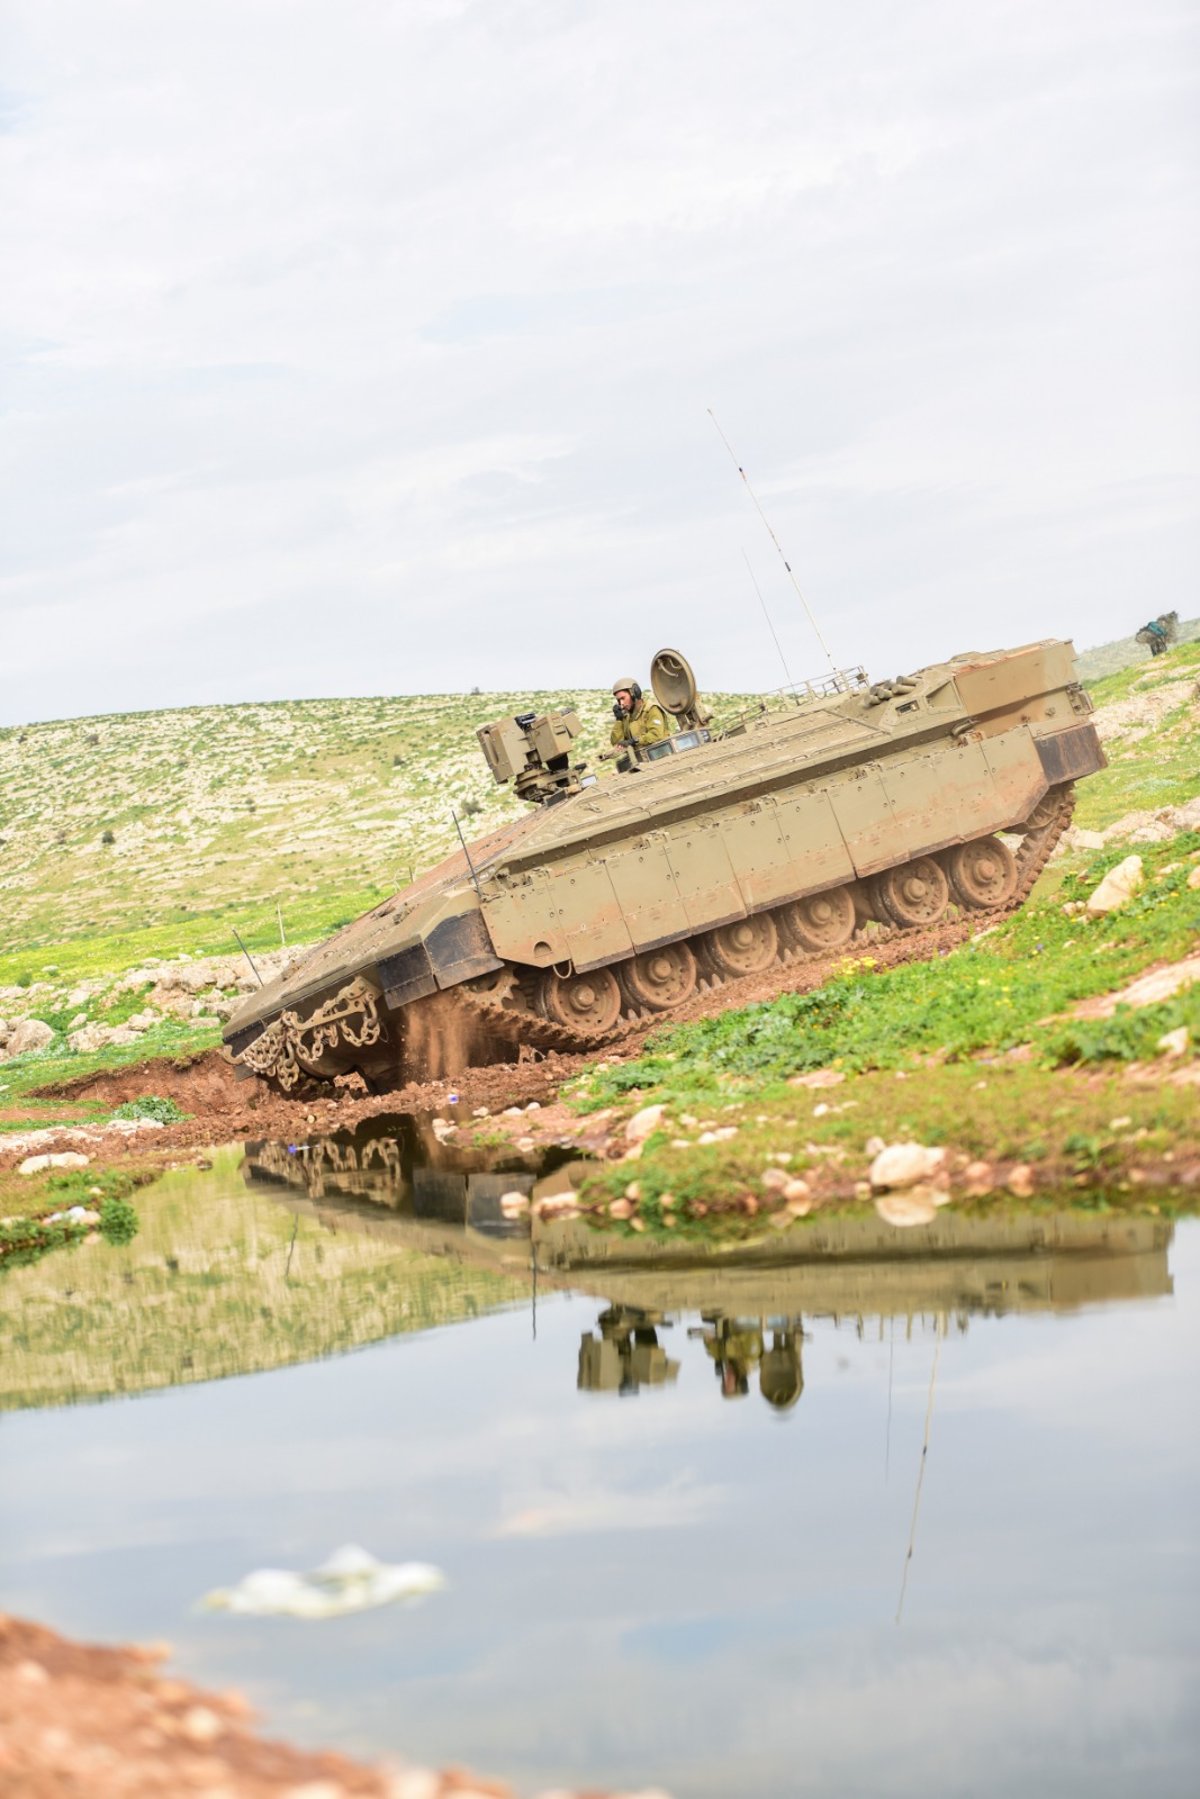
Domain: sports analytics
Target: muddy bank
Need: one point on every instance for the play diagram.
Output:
(78, 1718)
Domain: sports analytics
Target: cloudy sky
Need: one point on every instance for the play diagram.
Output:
(369, 348)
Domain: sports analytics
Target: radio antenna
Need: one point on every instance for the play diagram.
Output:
(787, 673)
(766, 521)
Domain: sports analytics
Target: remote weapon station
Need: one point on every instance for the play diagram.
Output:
(853, 808)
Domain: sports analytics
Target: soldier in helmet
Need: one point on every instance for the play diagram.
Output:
(639, 721)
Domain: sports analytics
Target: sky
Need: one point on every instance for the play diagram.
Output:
(371, 348)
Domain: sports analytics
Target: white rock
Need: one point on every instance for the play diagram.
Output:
(28, 1037)
(1174, 1043)
(642, 1123)
(67, 1158)
(513, 1204)
(350, 1581)
(904, 1164)
(773, 1179)
(1118, 886)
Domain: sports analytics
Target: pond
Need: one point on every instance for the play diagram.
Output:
(889, 1512)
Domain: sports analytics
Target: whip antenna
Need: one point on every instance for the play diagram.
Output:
(787, 673)
(766, 521)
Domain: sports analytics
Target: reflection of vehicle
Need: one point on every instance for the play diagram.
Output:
(720, 855)
(626, 1355)
(398, 1165)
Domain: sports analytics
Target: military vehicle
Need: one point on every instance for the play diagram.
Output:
(845, 807)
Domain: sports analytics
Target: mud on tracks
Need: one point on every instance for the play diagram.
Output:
(222, 1107)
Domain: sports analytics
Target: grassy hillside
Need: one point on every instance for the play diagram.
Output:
(182, 823)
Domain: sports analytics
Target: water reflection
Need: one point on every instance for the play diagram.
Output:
(404, 1167)
(400, 1180)
(695, 1591)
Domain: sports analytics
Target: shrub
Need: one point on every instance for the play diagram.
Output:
(118, 1221)
(162, 1111)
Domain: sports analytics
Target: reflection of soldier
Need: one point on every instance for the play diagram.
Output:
(626, 1355)
(639, 721)
(780, 1375)
(735, 1346)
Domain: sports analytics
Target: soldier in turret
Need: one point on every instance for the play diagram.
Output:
(639, 721)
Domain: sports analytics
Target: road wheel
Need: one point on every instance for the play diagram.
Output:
(745, 947)
(916, 893)
(982, 874)
(823, 921)
(661, 978)
(581, 1002)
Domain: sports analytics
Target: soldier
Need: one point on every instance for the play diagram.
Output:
(639, 721)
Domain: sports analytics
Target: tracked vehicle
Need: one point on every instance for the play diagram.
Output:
(851, 808)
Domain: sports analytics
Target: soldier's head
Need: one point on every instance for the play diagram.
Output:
(626, 694)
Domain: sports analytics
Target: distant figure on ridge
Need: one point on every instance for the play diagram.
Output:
(1160, 633)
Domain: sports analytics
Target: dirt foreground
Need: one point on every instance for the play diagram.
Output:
(95, 1723)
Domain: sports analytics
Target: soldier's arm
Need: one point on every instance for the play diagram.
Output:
(617, 734)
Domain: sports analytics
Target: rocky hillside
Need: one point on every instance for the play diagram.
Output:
(110, 825)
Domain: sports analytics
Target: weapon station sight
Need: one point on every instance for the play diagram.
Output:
(533, 751)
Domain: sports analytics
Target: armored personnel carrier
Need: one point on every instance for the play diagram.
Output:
(851, 808)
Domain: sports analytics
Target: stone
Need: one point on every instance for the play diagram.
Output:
(200, 1725)
(415, 1783)
(1148, 990)
(819, 1077)
(1020, 1180)
(67, 1158)
(1193, 879)
(77, 1023)
(643, 1123)
(1118, 887)
(774, 1179)
(513, 1204)
(28, 1037)
(980, 1178)
(620, 1208)
(904, 1164)
(1174, 1043)
(796, 1191)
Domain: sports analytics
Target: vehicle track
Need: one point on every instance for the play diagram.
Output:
(796, 970)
